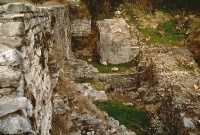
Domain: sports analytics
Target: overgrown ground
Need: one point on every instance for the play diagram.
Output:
(125, 67)
(134, 119)
(161, 27)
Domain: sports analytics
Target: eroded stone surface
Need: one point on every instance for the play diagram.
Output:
(14, 125)
(7, 76)
(12, 105)
(116, 44)
(12, 29)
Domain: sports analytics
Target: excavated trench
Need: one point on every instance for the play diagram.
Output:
(146, 87)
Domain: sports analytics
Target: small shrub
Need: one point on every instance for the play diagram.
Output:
(193, 44)
(83, 80)
(149, 75)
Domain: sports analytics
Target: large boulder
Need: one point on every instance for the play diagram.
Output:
(193, 44)
(116, 44)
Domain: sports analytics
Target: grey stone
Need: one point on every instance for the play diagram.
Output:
(60, 107)
(12, 105)
(11, 41)
(188, 123)
(3, 48)
(5, 91)
(10, 57)
(13, 16)
(12, 29)
(95, 122)
(14, 7)
(14, 125)
(101, 96)
(115, 69)
(115, 44)
(29, 108)
(7, 76)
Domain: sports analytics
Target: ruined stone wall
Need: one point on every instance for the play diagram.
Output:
(31, 40)
(81, 27)
(121, 82)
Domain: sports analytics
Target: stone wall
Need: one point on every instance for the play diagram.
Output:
(30, 38)
(81, 27)
(121, 82)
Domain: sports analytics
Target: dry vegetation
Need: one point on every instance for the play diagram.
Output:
(67, 89)
(193, 43)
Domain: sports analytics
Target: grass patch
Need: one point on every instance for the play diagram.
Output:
(84, 80)
(170, 36)
(96, 83)
(107, 69)
(105, 16)
(185, 66)
(134, 119)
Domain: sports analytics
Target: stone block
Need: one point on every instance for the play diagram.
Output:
(12, 42)
(14, 7)
(116, 44)
(5, 91)
(11, 29)
(10, 57)
(7, 76)
(12, 105)
(101, 96)
(14, 125)
(188, 123)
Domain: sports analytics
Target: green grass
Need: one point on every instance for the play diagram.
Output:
(84, 80)
(96, 83)
(107, 69)
(105, 16)
(134, 119)
(185, 66)
(170, 36)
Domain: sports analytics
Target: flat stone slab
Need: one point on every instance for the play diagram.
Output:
(13, 105)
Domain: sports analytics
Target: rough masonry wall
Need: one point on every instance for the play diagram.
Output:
(81, 27)
(121, 82)
(29, 39)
